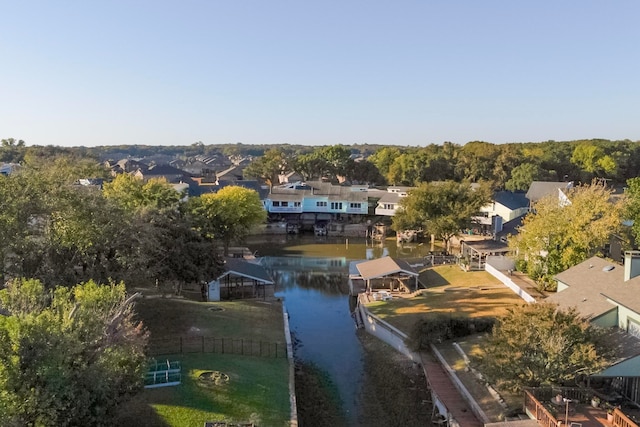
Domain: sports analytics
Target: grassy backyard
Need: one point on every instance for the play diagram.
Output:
(461, 294)
(257, 389)
(450, 291)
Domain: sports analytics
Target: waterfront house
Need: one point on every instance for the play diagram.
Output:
(322, 201)
(608, 294)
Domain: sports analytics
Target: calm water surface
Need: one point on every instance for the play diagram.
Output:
(311, 277)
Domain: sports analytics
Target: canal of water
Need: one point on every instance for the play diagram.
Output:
(311, 277)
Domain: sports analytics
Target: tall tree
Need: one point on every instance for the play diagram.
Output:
(338, 157)
(591, 158)
(441, 209)
(227, 215)
(384, 158)
(405, 169)
(558, 234)
(68, 357)
(539, 344)
(523, 175)
(310, 166)
(476, 161)
(364, 172)
(269, 167)
(632, 208)
(134, 194)
(12, 151)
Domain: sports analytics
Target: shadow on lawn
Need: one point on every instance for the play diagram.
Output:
(139, 412)
(432, 279)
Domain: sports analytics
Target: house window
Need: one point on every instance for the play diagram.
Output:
(285, 204)
(336, 205)
(321, 204)
(388, 206)
(296, 204)
(355, 205)
(276, 204)
(633, 327)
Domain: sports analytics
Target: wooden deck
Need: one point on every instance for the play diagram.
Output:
(580, 415)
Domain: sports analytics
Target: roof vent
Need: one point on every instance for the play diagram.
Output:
(608, 267)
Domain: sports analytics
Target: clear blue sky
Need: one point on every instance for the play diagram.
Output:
(90, 72)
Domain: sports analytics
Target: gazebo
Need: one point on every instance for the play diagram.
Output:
(476, 252)
(240, 279)
(383, 273)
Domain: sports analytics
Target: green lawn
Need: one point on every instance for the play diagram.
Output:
(450, 291)
(258, 388)
(249, 319)
(257, 392)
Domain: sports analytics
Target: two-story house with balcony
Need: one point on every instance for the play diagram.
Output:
(309, 203)
(389, 202)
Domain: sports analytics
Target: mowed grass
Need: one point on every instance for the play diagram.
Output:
(449, 291)
(248, 319)
(258, 388)
(257, 392)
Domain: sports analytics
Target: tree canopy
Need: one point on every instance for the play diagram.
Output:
(539, 344)
(557, 234)
(68, 356)
(442, 209)
(269, 166)
(632, 211)
(227, 215)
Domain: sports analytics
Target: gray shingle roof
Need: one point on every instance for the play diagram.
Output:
(384, 267)
(541, 189)
(591, 286)
(250, 270)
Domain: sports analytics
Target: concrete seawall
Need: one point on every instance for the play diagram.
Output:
(292, 369)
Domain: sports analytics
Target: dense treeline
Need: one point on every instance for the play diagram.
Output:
(507, 166)
(63, 233)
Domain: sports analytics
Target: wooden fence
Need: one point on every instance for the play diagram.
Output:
(202, 344)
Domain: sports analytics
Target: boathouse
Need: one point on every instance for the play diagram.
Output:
(240, 279)
(383, 273)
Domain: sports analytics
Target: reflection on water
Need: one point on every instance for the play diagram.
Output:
(316, 296)
(311, 276)
(328, 246)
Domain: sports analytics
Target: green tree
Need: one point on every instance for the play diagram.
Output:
(539, 344)
(269, 167)
(337, 157)
(632, 208)
(405, 169)
(384, 158)
(134, 194)
(364, 172)
(12, 151)
(69, 356)
(441, 209)
(523, 175)
(509, 158)
(559, 234)
(476, 161)
(310, 166)
(227, 215)
(591, 158)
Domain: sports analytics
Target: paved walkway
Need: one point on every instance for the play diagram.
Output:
(441, 385)
(480, 393)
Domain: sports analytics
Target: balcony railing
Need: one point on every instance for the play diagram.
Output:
(537, 409)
